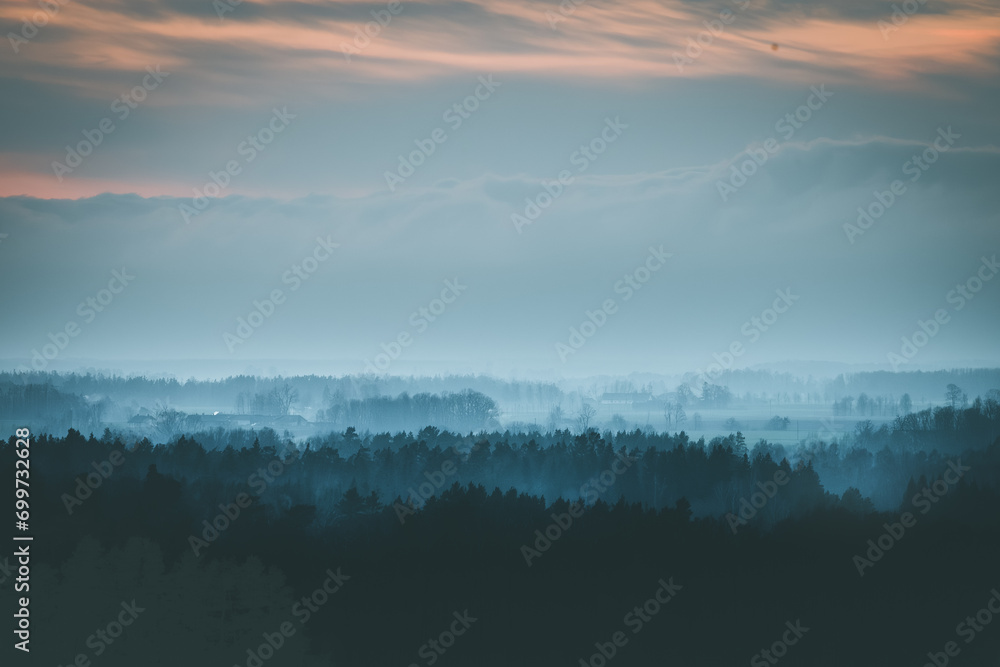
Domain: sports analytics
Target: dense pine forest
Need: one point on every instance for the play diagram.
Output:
(511, 547)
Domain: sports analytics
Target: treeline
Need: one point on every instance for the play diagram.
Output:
(44, 406)
(34, 401)
(655, 470)
(234, 394)
(920, 385)
(463, 411)
(508, 562)
(882, 391)
(945, 428)
(757, 385)
(749, 385)
(713, 475)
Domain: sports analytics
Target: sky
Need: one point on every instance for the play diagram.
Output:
(510, 187)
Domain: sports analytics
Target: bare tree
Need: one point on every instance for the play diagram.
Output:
(98, 409)
(243, 403)
(586, 414)
(284, 397)
(991, 409)
(679, 415)
(618, 423)
(556, 417)
(953, 394)
(168, 421)
(684, 395)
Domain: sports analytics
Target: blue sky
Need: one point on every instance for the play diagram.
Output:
(742, 138)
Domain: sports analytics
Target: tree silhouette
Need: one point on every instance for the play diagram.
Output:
(584, 416)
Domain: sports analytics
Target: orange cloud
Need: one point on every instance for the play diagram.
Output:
(266, 51)
(639, 40)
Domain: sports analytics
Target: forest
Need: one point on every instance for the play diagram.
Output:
(496, 547)
(778, 406)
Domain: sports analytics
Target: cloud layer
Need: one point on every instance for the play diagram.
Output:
(783, 229)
